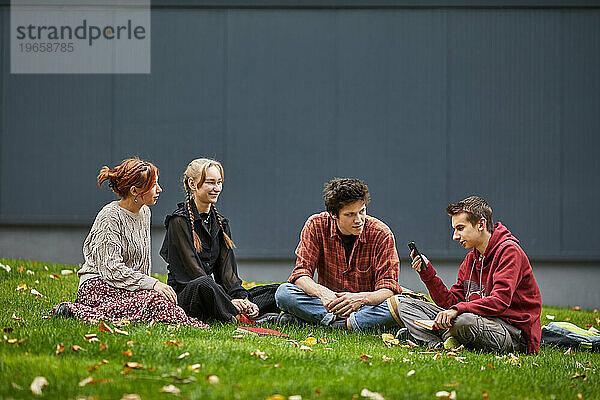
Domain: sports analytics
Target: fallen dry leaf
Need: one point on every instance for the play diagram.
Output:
(120, 332)
(259, 354)
(324, 340)
(484, 395)
(130, 343)
(579, 396)
(33, 291)
(371, 395)
(59, 348)
(102, 346)
(386, 359)
(194, 367)
(550, 317)
(30, 272)
(569, 351)
(170, 389)
(303, 347)
(183, 355)
(452, 384)
(577, 375)
(89, 380)
(103, 327)
(442, 394)
(131, 396)
(54, 276)
(39, 383)
(16, 318)
(173, 342)
(91, 337)
(411, 372)
(276, 397)
(238, 336)
(389, 340)
(310, 341)
(576, 308)
(127, 353)
(212, 379)
(22, 286)
(134, 365)
(295, 397)
(66, 272)
(122, 323)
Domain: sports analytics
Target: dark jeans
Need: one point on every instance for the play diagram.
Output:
(471, 330)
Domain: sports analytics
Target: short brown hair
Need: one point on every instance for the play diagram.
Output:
(476, 208)
(339, 192)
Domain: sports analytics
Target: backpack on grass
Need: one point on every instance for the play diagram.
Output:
(566, 334)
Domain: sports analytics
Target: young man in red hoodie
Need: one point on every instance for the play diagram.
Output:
(495, 303)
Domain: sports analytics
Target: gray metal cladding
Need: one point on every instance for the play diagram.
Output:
(426, 105)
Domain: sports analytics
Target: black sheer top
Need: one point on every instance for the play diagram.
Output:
(185, 264)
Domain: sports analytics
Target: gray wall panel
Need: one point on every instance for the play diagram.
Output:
(426, 105)
(581, 128)
(504, 108)
(57, 130)
(280, 125)
(391, 117)
(175, 114)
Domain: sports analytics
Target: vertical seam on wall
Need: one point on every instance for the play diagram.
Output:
(225, 85)
(336, 88)
(561, 161)
(4, 16)
(447, 107)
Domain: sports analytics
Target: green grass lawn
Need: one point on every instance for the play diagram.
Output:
(340, 365)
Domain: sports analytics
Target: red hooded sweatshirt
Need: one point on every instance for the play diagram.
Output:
(503, 287)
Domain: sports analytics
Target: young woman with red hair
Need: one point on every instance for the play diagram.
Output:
(115, 281)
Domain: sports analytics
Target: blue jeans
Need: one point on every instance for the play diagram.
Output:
(294, 300)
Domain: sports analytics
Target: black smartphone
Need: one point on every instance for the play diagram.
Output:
(413, 247)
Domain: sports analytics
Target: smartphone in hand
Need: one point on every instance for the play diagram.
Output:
(413, 247)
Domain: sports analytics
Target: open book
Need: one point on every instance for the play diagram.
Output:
(425, 323)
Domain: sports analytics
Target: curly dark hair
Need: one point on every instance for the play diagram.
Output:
(339, 192)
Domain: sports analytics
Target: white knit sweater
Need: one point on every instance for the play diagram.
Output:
(118, 249)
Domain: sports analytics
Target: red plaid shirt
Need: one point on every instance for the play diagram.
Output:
(373, 265)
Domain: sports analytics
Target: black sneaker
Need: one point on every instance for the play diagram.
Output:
(63, 311)
(286, 318)
(403, 334)
(268, 318)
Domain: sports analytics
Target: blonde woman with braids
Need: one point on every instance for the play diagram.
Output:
(199, 252)
(115, 281)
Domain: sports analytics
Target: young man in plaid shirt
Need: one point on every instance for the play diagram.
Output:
(356, 261)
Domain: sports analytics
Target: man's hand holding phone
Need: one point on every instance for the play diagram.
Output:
(419, 261)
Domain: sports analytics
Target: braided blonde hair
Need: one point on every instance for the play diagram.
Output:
(197, 171)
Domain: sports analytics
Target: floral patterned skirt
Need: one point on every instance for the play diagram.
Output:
(99, 301)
